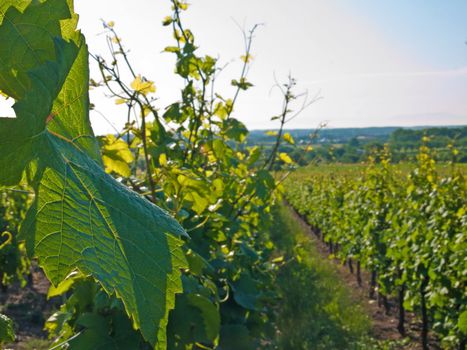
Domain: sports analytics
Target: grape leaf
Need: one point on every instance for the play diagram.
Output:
(81, 217)
(462, 322)
(116, 155)
(289, 138)
(285, 158)
(195, 319)
(24, 43)
(143, 86)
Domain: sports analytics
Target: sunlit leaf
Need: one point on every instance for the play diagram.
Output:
(167, 21)
(163, 159)
(288, 138)
(116, 155)
(285, 158)
(462, 323)
(246, 58)
(142, 85)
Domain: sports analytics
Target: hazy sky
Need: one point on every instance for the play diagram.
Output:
(385, 62)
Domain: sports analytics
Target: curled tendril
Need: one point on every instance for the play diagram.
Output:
(8, 240)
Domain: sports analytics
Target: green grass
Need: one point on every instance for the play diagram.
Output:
(317, 312)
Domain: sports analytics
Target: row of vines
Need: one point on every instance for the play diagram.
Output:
(408, 229)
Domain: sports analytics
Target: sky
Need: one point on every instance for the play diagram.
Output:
(374, 63)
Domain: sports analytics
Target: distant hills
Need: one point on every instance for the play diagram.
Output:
(351, 145)
(344, 135)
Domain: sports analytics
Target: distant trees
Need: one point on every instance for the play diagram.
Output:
(403, 143)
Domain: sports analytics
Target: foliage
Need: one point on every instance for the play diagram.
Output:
(191, 160)
(7, 333)
(355, 145)
(99, 317)
(115, 257)
(81, 217)
(14, 264)
(409, 231)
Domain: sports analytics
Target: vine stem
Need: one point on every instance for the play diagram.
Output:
(65, 342)
(146, 154)
(8, 240)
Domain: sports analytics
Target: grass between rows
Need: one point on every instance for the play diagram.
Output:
(317, 311)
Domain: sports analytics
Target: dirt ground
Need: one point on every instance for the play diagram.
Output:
(29, 308)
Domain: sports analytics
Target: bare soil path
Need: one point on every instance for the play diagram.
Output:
(28, 307)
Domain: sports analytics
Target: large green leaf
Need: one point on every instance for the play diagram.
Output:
(81, 217)
(25, 44)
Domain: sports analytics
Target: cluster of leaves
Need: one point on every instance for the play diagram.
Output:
(191, 160)
(14, 264)
(409, 232)
(126, 268)
(7, 333)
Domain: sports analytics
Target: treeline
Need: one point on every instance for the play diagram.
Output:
(355, 147)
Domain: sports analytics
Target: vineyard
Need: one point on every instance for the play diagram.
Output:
(405, 225)
(172, 232)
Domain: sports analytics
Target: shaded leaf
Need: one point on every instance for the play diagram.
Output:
(246, 292)
(234, 337)
(194, 319)
(235, 130)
